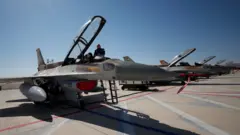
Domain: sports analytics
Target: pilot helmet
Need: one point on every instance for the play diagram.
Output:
(98, 46)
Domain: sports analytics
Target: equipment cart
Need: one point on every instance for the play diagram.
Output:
(143, 85)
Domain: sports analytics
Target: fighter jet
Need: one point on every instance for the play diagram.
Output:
(199, 70)
(225, 68)
(80, 72)
(217, 69)
(184, 70)
(164, 63)
(232, 67)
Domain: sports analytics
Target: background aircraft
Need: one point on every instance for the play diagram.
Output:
(184, 71)
(204, 61)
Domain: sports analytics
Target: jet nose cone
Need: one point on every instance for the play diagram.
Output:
(136, 71)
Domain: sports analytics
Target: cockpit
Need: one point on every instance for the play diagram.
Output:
(88, 33)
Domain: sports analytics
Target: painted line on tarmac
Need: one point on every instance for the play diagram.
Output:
(56, 127)
(220, 92)
(211, 101)
(213, 94)
(196, 121)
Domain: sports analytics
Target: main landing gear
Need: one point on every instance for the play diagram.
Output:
(80, 101)
(183, 82)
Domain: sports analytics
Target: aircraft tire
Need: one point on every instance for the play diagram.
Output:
(122, 87)
(82, 104)
(183, 83)
(38, 103)
(144, 88)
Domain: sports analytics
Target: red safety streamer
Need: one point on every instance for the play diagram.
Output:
(184, 86)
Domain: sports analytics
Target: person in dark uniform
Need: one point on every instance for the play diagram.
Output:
(99, 51)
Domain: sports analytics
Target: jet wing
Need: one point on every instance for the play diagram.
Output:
(82, 75)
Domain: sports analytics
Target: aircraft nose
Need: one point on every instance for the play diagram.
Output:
(136, 71)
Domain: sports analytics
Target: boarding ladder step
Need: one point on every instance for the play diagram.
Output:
(113, 91)
(104, 92)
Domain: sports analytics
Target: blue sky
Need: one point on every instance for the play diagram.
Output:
(146, 30)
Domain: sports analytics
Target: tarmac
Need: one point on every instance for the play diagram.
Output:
(208, 107)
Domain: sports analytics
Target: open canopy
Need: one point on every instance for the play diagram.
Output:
(181, 56)
(83, 41)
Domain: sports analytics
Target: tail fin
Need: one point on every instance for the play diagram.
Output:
(41, 63)
(127, 58)
(163, 62)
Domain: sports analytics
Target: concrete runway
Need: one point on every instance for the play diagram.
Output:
(207, 107)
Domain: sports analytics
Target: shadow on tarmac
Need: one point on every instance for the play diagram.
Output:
(100, 115)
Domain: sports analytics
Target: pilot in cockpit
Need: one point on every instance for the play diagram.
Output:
(98, 56)
(99, 51)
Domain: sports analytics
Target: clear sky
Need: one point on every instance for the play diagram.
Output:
(146, 30)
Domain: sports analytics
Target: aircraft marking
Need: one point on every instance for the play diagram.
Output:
(213, 94)
(93, 69)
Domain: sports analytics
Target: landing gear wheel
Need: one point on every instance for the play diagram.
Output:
(80, 101)
(122, 87)
(81, 104)
(145, 88)
(183, 83)
(38, 103)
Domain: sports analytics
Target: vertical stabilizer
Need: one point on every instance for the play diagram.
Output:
(163, 62)
(41, 63)
(127, 58)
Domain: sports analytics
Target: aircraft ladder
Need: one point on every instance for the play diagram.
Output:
(104, 93)
(113, 91)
